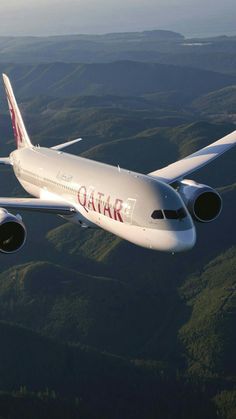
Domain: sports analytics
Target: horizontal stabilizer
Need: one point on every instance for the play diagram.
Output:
(67, 144)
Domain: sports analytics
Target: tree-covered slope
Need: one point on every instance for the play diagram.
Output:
(115, 78)
(70, 306)
(43, 377)
(215, 53)
(219, 102)
(209, 334)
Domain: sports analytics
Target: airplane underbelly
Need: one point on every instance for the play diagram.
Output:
(150, 238)
(132, 233)
(30, 188)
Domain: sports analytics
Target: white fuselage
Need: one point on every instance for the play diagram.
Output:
(119, 201)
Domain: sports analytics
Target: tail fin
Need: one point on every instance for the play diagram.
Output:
(20, 133)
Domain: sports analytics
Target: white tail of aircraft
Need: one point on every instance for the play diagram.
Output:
(20, 133)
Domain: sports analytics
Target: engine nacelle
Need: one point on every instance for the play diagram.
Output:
(203, 202)
(12, 232)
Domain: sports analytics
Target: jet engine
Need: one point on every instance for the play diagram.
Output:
(12, 232)
(203, 202)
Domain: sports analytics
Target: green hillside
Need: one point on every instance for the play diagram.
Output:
(126, 78)
(82, 241)
(209, 334)
(166, 47)
(85, 48)
(76, 307)
(221, 102)
(212, 56)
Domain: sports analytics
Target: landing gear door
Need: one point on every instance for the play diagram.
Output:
(128, 210)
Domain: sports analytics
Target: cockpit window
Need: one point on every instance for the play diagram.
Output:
(175, 214)
(157, 215)
(181, 213)
(169, 214)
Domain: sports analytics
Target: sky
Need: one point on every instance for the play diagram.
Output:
(59, 17)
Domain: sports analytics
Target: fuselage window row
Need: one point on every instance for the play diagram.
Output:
(31, 177)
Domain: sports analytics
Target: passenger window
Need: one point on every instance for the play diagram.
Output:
(157, 215)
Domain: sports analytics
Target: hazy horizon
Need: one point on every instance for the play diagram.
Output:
(92, 17)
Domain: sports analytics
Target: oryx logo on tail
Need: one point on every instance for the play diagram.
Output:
(20, 133)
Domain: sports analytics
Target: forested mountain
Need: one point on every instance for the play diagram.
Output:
(122, 78)
(216, 54)
(90, 325)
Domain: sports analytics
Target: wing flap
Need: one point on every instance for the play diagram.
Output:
(39, 205)
(195, 161)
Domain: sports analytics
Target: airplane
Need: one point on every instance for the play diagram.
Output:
(155, 211)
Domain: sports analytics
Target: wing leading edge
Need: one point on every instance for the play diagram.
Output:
(178, 170)
(39, 205)
(67, 144)
(5, 160)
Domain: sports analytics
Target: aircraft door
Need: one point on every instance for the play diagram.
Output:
(128, 210)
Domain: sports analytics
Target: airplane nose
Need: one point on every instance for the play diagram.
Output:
(185, 240)
(174, 241)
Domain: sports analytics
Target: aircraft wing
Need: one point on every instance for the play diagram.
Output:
(5, 160)
(40, 205)
(178, 170)
(67, 144)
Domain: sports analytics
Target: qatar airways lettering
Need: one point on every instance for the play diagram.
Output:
(99, 202)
